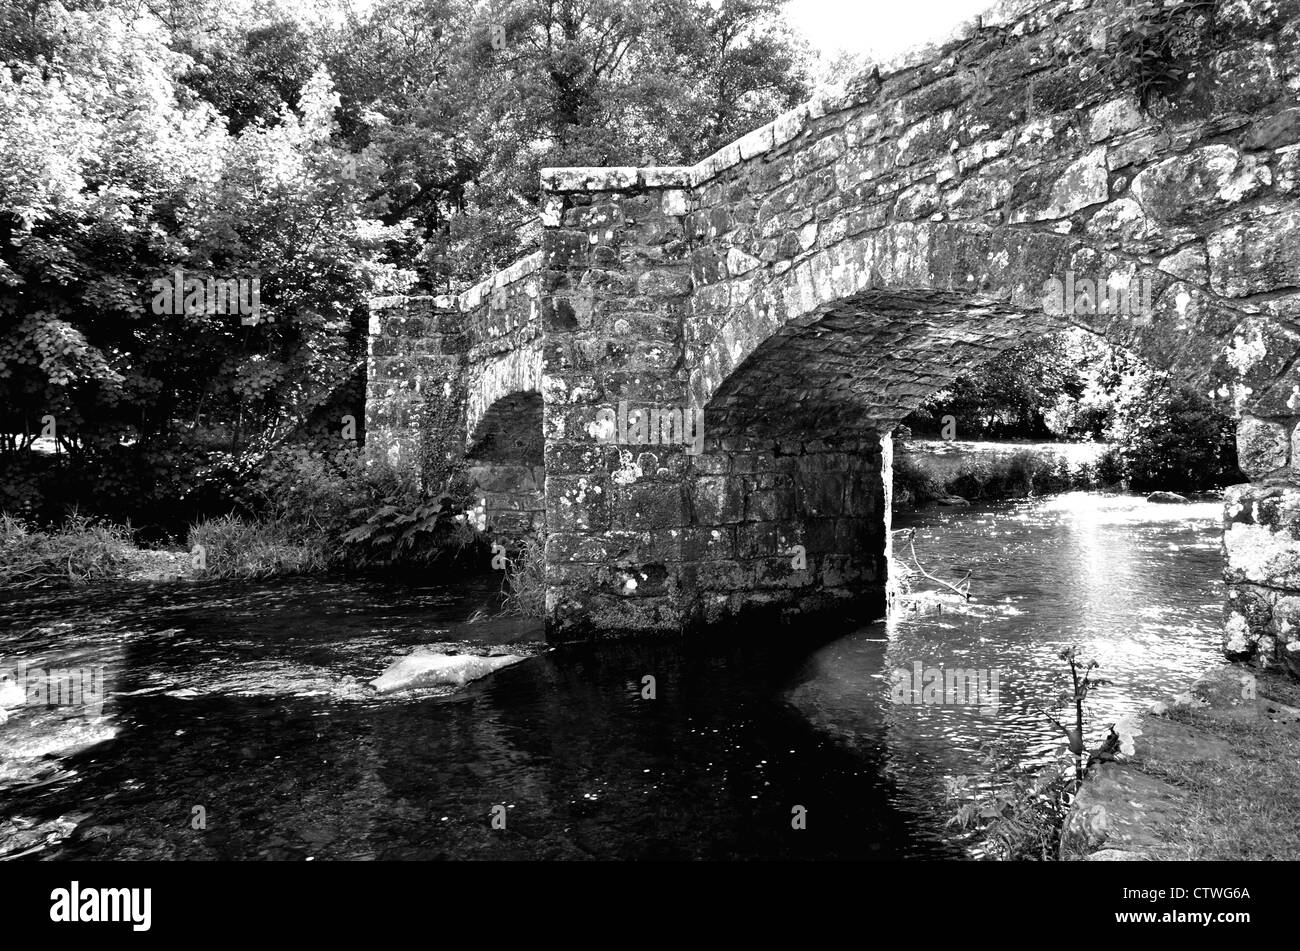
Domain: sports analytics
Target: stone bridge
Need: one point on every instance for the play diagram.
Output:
(807, 286)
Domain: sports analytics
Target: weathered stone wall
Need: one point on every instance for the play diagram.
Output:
(659, 537)
(503, 366)
(810, 284)
(1262, 568)
(615, 283)
(414, 365)
(790, 528)
(503, 326)
(1261, 543)
(893, 236)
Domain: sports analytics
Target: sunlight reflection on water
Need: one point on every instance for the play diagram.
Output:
(1134, 585)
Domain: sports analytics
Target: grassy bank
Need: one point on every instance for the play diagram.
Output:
(1243, 806)
(84, 550)
(1211, 776)
(236, 548)
(78, 551)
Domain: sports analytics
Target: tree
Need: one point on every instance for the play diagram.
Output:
(463, 125)
(1009, 395)
(250, 75)
(112, 177)
(1167, 437)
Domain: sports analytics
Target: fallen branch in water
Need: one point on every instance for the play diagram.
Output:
(958, 589)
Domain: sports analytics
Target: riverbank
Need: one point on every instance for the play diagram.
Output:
(932, 471)
(84, 551)
(1211, 775)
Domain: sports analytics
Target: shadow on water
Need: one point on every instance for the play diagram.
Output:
(253, 702)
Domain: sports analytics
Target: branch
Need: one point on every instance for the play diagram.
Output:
(963, 593)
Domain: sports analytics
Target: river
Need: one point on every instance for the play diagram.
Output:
(245, 709)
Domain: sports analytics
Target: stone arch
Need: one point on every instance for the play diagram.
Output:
(509, 431)
(940, 299)
(504, 446)
(515, 371)
(802, 386)
(505, 465)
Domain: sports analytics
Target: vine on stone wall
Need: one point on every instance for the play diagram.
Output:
(440, 451)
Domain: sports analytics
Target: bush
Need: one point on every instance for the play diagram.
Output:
(396, 534)
(913, 483)
(81, 550)
(1016, 475)
(342, 509)
(1018, 814)
(1167, 438)
(1009, 395)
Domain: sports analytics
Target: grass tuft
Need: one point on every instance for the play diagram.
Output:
(79, 551)
(237, 548)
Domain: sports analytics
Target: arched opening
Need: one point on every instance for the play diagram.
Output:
(505, 465)
(793, 487)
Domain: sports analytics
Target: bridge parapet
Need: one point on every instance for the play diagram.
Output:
(414, 363)
(502, 311)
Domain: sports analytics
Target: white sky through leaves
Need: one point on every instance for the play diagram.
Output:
(879, 28)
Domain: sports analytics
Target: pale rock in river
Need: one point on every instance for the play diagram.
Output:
(432, 669)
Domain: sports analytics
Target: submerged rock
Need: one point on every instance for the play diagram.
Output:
(1168, 498)
(425, 668)
(21, 836)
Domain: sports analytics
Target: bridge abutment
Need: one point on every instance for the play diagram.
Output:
(616, 280)
(658, 520)
(789, 529)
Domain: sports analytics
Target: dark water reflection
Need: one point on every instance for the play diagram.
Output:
(253, 702)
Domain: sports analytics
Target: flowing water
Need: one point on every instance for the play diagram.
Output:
(239, 722)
